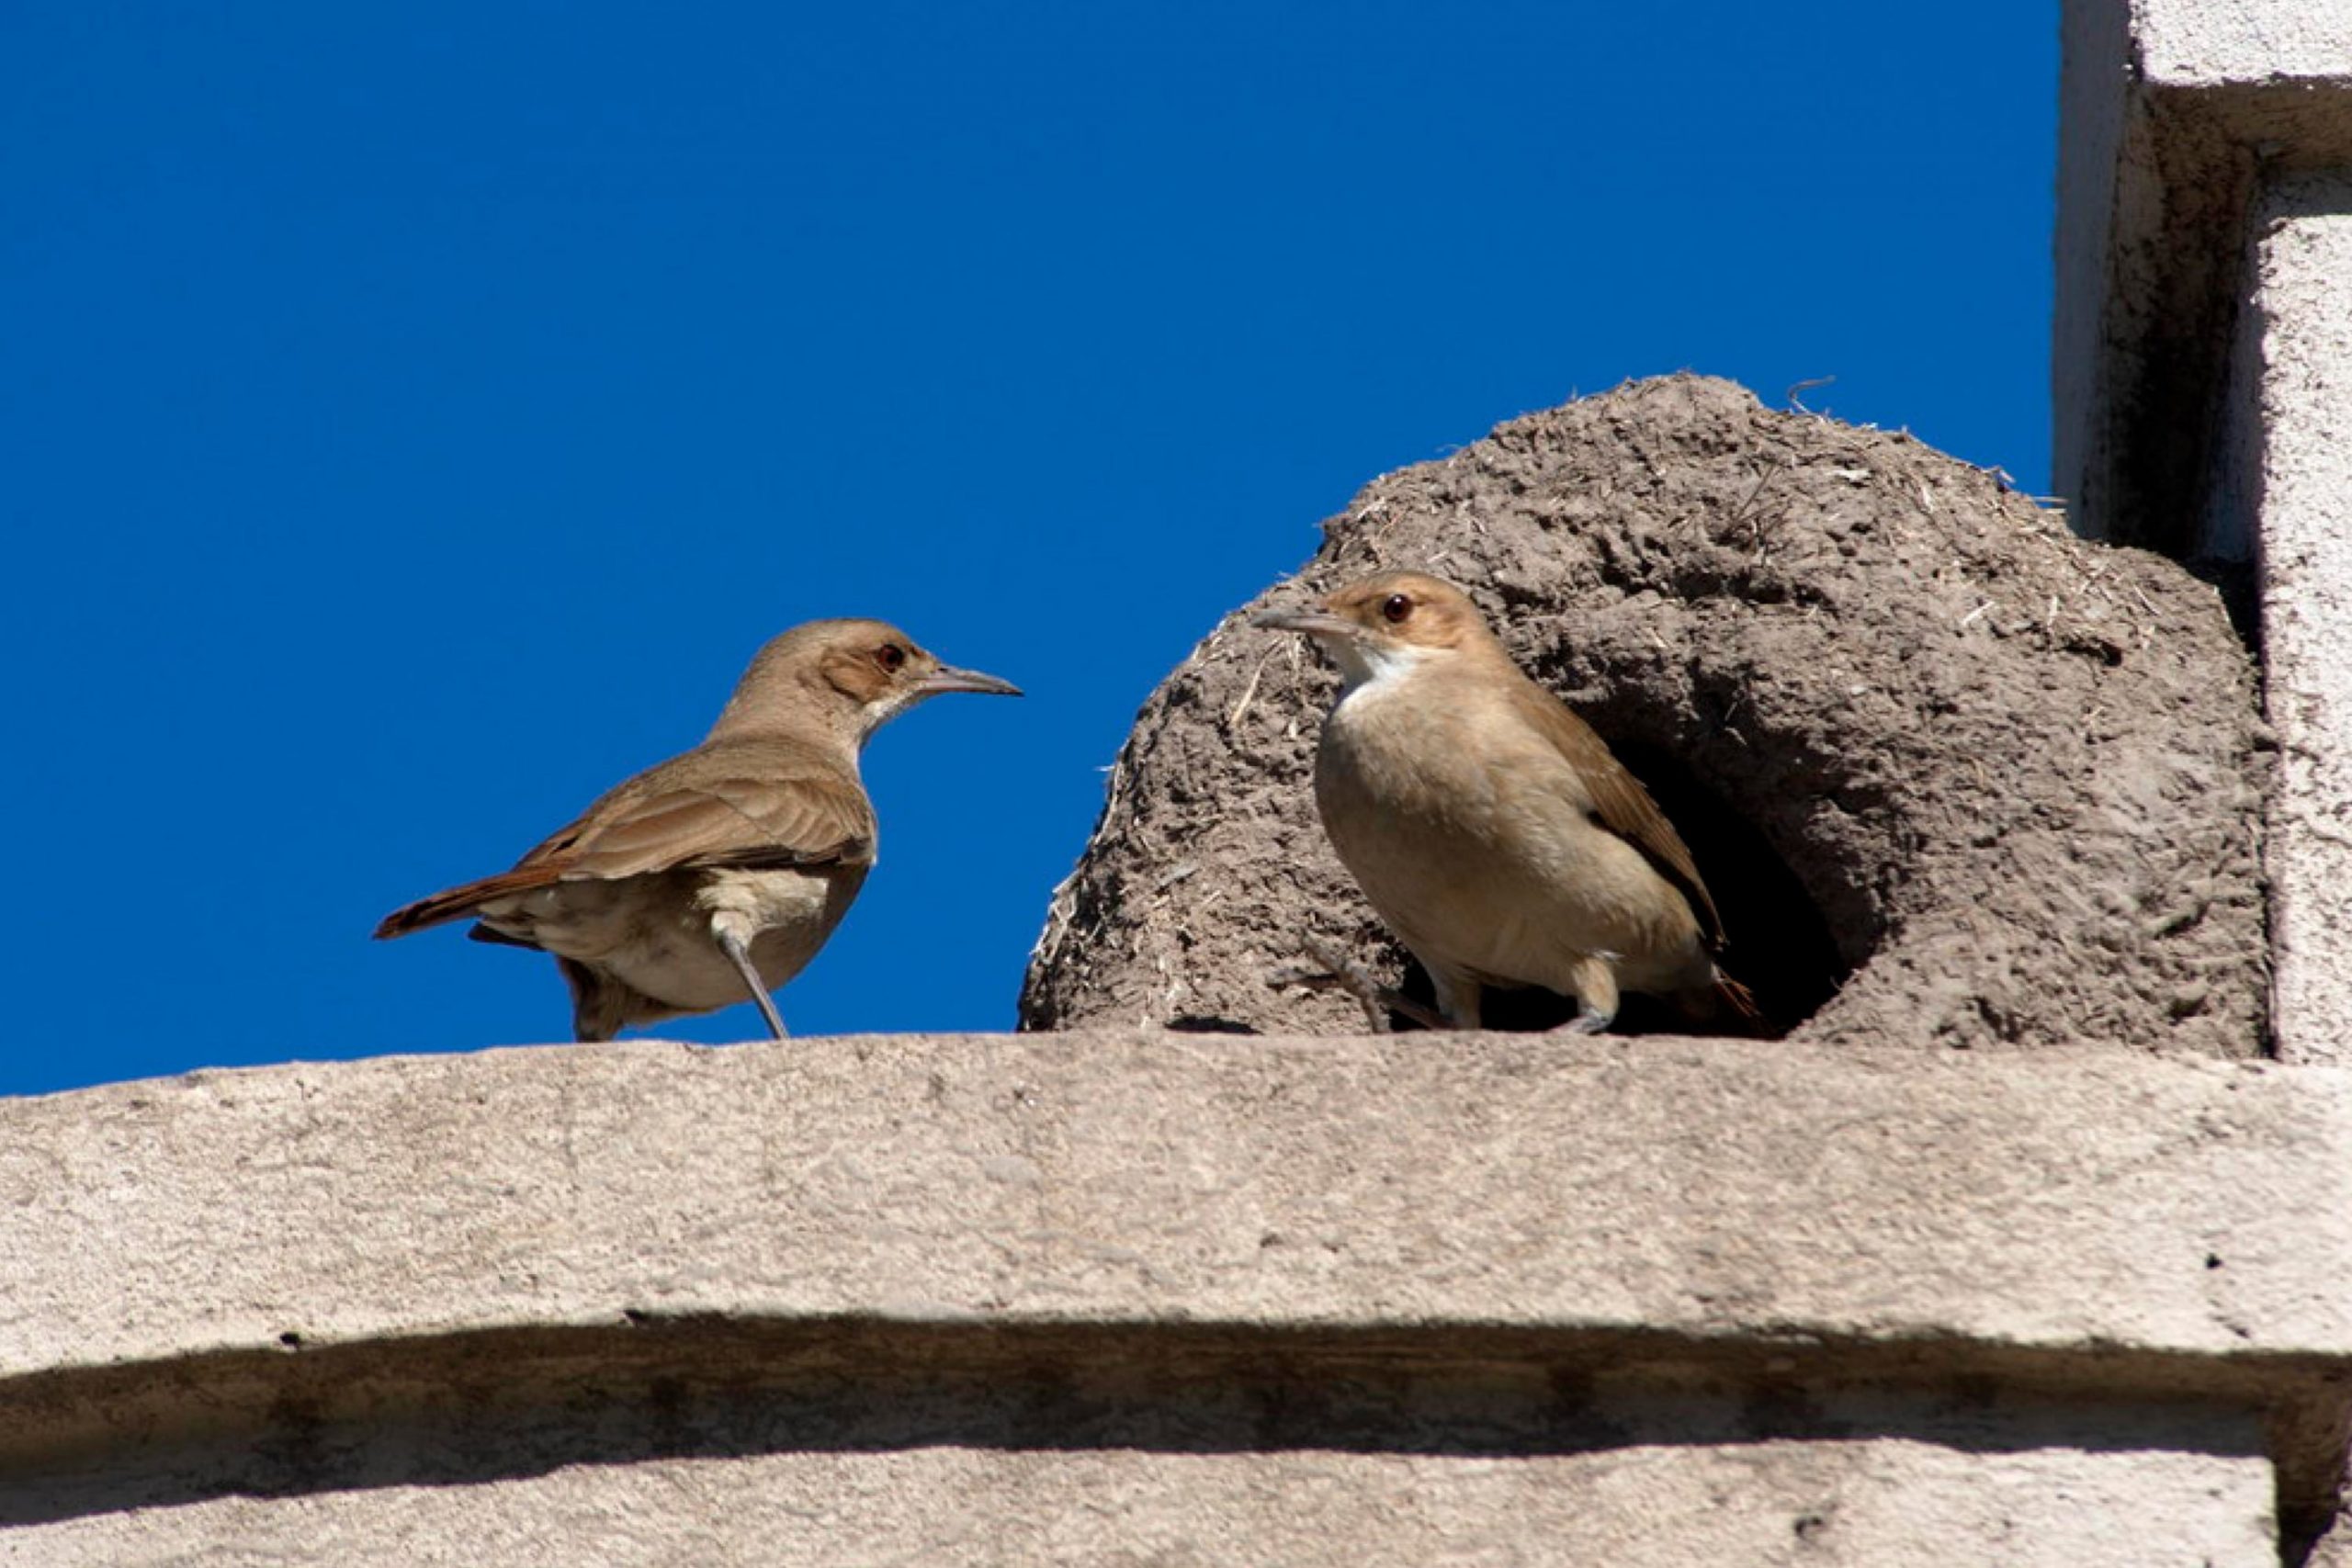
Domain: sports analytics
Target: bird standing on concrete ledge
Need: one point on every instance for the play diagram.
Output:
(719, 873)
(1489, 825)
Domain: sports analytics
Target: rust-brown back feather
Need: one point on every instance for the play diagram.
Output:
(746, 801)
(456, 903)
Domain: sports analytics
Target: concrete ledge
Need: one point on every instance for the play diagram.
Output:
(1688, 1485)
(1705, 1187)
(419, 1271)
(2229, 43)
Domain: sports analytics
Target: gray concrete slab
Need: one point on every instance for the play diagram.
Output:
(1668, 1185)
(2290, 402)
(1870, 1503)
(2175, 117)
(2237, 43)
(1057, 1297)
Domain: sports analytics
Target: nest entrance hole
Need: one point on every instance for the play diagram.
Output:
(1777, 943)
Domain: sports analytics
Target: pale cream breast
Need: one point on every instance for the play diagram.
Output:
(793, 913)
(1473, 839)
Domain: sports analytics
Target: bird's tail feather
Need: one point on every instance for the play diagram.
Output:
(1737, 998)
(456, 903)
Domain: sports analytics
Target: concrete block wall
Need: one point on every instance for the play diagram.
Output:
(2203, 373)
(1147, 1297)
(2285, 484)
(1133, 1297)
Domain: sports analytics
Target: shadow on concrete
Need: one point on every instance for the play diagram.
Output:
(490, 1406)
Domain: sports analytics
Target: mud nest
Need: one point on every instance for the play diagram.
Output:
(1955, 777)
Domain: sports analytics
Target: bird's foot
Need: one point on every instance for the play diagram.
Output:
(1340, 973)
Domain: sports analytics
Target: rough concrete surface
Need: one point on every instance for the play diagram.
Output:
(1668, 1186)
(2096, 185)
(2290, 401)
(865, 1298)
(1869, 1504)
(2241, 42)
(2173, 115)
(1990, 785)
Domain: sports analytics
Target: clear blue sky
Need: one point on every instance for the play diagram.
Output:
(412, 416)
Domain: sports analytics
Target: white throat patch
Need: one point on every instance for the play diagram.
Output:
(877, 713)
(1369, 665)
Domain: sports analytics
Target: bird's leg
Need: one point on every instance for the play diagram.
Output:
(1341, 973)
(1596, 988)
(1459, 994)
(730, 942)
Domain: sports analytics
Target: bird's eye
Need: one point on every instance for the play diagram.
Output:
(891, 657)
(1395, 607)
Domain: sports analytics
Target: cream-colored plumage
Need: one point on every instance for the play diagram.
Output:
(719, 873)
(1487, 824)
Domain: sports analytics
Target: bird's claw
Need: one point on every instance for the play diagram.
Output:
(1340, 973)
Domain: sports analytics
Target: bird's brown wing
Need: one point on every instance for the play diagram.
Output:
(748, 805)
(809, 819)
(1623, 807)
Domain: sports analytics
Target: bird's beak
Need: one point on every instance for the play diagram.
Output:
(1314, 623)
(947, 677)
